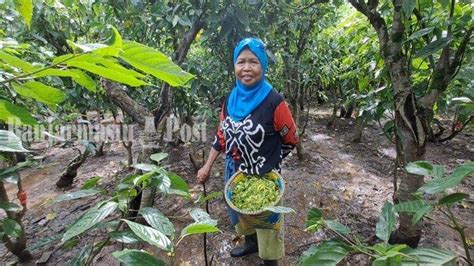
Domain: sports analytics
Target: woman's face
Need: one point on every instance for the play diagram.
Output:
(248, 69)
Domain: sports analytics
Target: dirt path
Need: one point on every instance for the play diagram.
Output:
(348, 181)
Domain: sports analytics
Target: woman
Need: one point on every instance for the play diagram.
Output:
(256, 132)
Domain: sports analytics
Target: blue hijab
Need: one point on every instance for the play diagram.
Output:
(243, 100)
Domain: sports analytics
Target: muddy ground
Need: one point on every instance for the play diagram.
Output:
(348, 181)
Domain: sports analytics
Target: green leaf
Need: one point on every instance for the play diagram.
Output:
(77, 194)
(338, 227)
(198, 228)
(9, 142)
(452, 198)
(115, 39)
(157, 220)
(200, 216)
(10, 174)
(14, 114)
(9, 206)
(150, 235)
(82, 257)
(209, 197)
(315, 216)
(96, 48)
(438, 171)
(16, 62)
(429, 257)
(279, 209)
(84, 80)
(137, 258)
(40, 92)
(441, 184)
(11, 227)
(420, 168)
(146, 167)
(107, 72)
(63, 58)
(329, 253)
(178, 183)
(410, 206)
(55, 72)
(91, 182)
(89, 219)
(421, 213)
(420, 33)
(433, 47)
(25, 8)
(157, 157)
(127, 237)
(386, 223)
(155, 63)
(408, 6)
(419, 63)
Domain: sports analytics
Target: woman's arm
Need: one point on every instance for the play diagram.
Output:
(217, 146)
(285, 125)
(205, 171)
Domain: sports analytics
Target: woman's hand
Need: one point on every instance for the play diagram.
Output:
(203, 174)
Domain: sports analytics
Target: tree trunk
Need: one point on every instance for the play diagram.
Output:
(410, 131)
(359, 128)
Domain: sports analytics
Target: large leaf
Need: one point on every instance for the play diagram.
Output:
(91, 182)
(200, 216)
(25, 8)
(40, 92)
(429, 257)
(338, 227)
(82, 257)
(421, 33)
(55, 72)
(178, 185)
(155, 63)
(10, 174)
(84, 80)
(408, 6)
(329, 253)
(198, 228)
(386, 223)
(157, 220)
(314, 219)
(137, 258)
(441, 184)
(208, 197)
(452, 198)
(77, 194)
(9, 206)
(89, 219)
(433, 47)
(157, 157)
(150, 235)
(279, 209)
(11, 227)
(14, 114)
(107, 72)
(410, 206)
(146, 167)
(420, 168)
(9, 142)
(16, 62)
(421, 213)
(127, 237)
